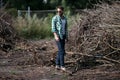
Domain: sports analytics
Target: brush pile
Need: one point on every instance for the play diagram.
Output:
(97, 33)
(7, 32)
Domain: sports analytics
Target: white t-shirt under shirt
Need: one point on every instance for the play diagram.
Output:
(63, 26)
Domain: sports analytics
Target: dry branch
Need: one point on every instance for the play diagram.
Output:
(7, 31)
(97, 32)
(112, 60)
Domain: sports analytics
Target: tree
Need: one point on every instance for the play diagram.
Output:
(51, 4)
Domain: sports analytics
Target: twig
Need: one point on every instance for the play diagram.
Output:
(109, 59)
(111, 46)
(111, 53)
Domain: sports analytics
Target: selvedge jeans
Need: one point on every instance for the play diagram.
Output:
(61, 52)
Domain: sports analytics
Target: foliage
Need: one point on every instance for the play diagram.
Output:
(51, 4)
(38, 28)
(32, 27)
(12, 12)
(72, 20)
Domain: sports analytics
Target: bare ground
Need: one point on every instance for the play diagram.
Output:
(34, 60)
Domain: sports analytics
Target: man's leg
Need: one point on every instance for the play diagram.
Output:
(62, 53)
(58, 54)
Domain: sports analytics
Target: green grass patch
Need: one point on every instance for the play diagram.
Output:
(33, 27)
(39, 28)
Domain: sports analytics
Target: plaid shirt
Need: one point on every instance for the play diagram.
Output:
(57, 26)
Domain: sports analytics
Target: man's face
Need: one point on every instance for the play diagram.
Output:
(60, 12)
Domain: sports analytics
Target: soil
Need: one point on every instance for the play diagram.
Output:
(34, 60)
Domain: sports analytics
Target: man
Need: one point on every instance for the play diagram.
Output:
(59, 29)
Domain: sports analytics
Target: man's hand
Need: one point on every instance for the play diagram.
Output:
(66, 39)
(56, 37)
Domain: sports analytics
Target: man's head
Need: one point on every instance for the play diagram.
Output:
(60, 10)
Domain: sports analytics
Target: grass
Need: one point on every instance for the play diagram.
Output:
(72, 20)
(38, 28)
(33, 27)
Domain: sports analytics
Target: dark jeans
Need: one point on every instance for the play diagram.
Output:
(61, 52)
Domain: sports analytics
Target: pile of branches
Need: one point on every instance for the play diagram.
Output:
(97, 32)
(7, 32)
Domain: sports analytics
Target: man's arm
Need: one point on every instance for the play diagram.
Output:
(54, 30)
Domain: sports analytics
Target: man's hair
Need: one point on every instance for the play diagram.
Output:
(60, 7)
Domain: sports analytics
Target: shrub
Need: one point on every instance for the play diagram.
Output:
(33, 27)
(12, 12)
